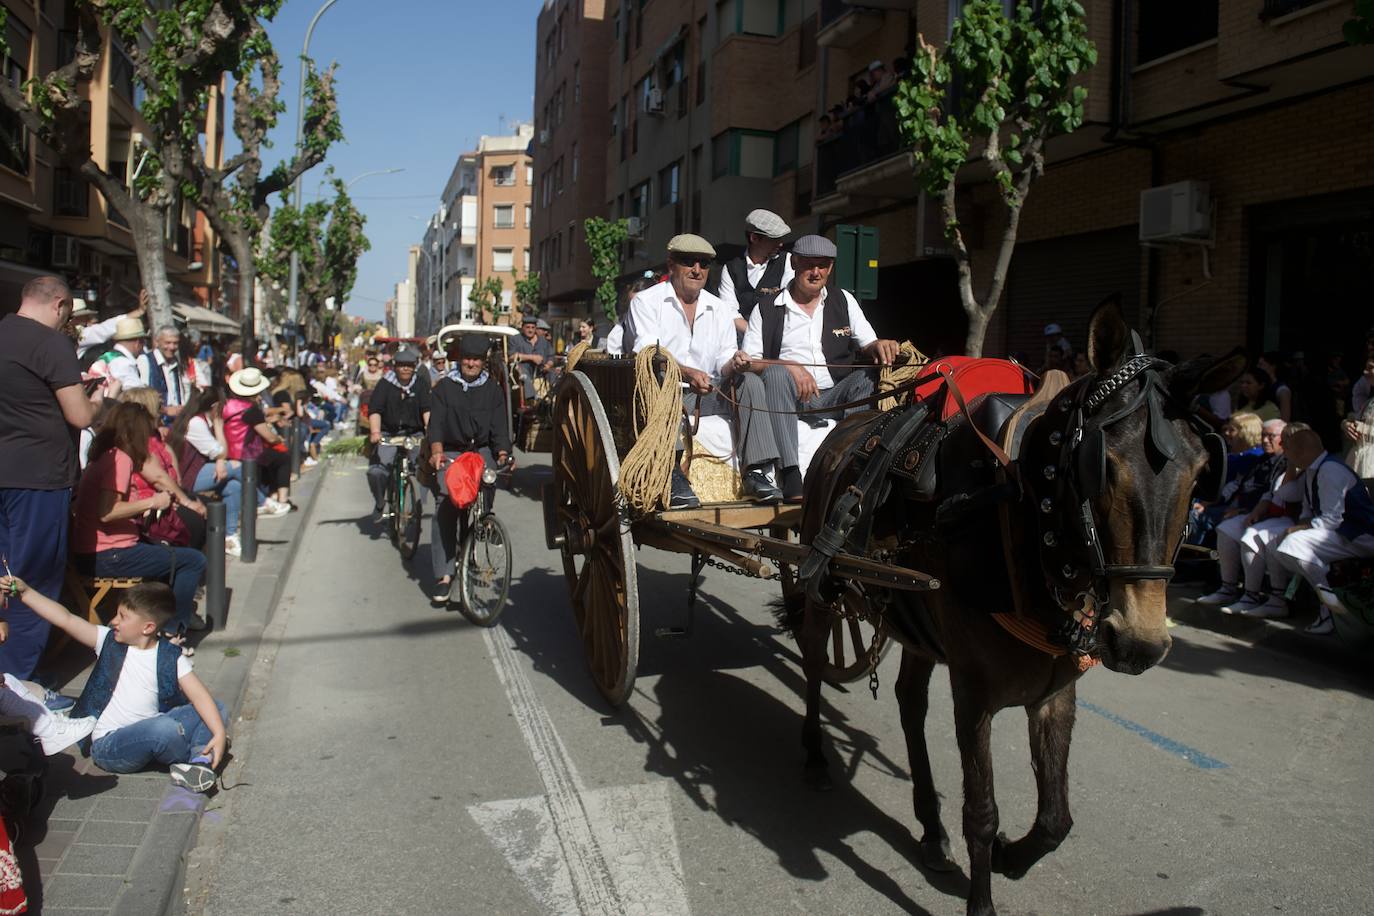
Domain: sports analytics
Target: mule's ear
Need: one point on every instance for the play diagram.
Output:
(1107, 335)
(1205, 375)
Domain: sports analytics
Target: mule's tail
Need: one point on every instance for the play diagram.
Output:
(789, 611)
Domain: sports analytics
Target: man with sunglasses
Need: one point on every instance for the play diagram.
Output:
(698, 329)
(43, 407)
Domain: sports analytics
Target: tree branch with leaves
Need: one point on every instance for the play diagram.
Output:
(995, 93)
(604, 239)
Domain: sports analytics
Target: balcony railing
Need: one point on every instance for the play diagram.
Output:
(1272, 9)
(870, 134)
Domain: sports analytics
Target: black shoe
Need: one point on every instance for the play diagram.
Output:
(792, 484)
(682, 496)
(758, 487)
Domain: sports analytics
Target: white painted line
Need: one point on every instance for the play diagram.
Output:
(597, 851)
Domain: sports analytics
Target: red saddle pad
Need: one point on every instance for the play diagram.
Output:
(974, 376)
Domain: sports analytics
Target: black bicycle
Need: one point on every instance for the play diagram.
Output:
(404, 509)
(481, 580)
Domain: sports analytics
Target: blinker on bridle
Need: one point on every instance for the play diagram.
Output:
(1078, 477)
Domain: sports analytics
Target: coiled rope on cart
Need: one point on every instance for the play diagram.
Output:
(576, 353)
(910, 361)
(646, 472)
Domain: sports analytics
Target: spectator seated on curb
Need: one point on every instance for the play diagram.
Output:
(1243, 491)
(162, 472)
(249, 436)
(1243, 432)
(55, 733)
(197, 439)
(1256, 389)
(1339, 525)
(149, 706)
(1242, 539)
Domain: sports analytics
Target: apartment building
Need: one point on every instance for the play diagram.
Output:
(53, 222)
(1253, 117)
(711, 107)
(571, 121)
(481, 230)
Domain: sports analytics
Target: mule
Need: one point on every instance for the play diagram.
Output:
(1106, 475)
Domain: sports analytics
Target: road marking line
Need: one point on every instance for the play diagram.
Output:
(1192, 755)
(580, 851)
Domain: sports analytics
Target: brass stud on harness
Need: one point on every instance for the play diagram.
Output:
(1047, 505)
(1056, 437)
(1050, 539)
(1069, 572)
(1049, 472)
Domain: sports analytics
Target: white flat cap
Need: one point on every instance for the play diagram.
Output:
(687, 243)
(766, 222)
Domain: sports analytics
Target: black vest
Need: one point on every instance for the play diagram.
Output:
(837, 337)
(1358, 518)
(770, 284)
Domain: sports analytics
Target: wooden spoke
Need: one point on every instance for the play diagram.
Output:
(851, 640)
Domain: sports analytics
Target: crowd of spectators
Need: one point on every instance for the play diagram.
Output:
(864, 94)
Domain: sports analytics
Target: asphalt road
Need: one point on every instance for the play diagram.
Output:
(396, 759)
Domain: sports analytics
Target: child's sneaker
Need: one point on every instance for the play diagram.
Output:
(61, 733)
(56, 702)
(197, 777)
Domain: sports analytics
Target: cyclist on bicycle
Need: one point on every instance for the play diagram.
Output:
(469, 415)
(400, 406)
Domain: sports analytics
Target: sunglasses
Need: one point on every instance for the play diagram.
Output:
(692, 260)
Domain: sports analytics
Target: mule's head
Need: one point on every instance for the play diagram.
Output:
(1128, 477)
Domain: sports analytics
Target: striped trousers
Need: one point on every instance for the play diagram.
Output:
(780, 394)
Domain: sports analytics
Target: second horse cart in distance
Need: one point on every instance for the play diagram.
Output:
(589, 522)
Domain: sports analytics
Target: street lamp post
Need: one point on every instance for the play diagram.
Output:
(293, 306)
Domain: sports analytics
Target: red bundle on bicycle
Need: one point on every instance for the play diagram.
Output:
(463, 477)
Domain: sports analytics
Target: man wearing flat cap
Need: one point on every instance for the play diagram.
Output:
(399, 406)
(698, 329)
(531, 352)
(762, 270)
(468, 414)
(812, 334)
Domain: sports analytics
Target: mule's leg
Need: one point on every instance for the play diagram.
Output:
(913, 699)
(814, 632)
(1051, 727)
(973, 727)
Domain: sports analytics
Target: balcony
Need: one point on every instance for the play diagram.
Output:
(870, 137)
(843, 25)
(1273, 9)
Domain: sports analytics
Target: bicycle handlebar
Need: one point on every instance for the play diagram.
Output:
(401, 441)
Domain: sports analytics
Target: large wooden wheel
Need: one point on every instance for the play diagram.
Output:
(847, 649)
(595, 541)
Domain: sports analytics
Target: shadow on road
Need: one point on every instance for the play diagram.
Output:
(1295, 657)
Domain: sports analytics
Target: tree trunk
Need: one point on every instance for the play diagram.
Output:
(146, 228)
(977, 329)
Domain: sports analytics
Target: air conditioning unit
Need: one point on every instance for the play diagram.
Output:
(66, 251)
(1174, 211)
(634, 227)
(653, 103)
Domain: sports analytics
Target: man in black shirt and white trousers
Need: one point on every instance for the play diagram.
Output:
(468, 415)
(400, 406)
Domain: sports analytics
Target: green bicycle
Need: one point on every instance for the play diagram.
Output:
(404, 509)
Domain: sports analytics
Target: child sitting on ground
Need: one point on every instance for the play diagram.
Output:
(148, 704)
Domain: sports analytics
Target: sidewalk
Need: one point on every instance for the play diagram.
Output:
(117, 844)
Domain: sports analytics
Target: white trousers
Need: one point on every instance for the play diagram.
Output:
(1310, 552)
(1241, 549)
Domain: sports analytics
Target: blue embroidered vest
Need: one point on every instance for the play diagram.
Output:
(101, 684)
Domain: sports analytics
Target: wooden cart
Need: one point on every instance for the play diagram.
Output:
(587, 521)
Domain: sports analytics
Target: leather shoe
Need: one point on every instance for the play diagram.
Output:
(759, 488)
(682, 496)
(792, 484)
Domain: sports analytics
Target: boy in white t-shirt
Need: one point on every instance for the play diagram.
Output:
(149, 706)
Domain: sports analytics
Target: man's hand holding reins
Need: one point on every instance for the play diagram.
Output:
(697, 380)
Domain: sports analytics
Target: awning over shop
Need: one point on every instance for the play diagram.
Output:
(204, 320)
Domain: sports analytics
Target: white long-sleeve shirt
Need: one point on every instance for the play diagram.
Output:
(802, 333)
(708, 343)
(97, 334)
(202, 438)
(126, 368)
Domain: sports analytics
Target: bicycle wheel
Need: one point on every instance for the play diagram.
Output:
(393, 509)
(408, 521)
(483, 571)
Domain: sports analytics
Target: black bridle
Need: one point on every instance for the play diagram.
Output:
(1072, 559)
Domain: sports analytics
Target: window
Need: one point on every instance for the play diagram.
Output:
(121, 71)
(786, 148)
(668, 184)
(746, 153)
(558, 176)
(503, 176)
(639, 201)
(529, 175)
(504, 216)
(759, 17)
(505, 301)
(806, 50)
(71, 194)
(14, 138)
(529, 211)
(577, 83)
(574, 163)
(571, 244)
(1166, 26)
(527, 260)
(503, 260)
(615, 120)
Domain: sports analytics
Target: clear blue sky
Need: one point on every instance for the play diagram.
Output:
(419, 81)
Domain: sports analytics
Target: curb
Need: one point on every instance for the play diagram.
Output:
(151, 887)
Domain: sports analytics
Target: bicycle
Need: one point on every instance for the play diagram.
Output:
(482, 568)
(403, 506)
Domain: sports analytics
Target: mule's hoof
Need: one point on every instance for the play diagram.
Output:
(1005, 860)
(936, 856)
(818, 779)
